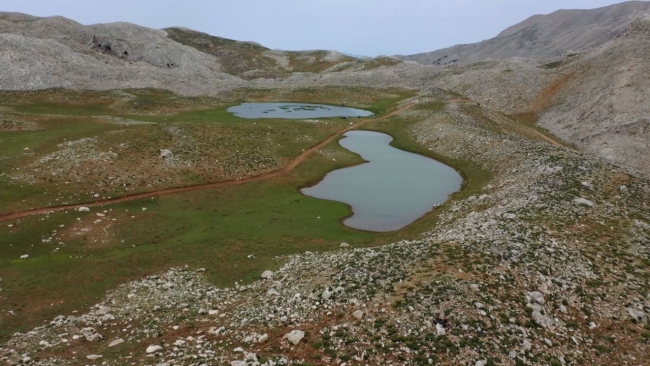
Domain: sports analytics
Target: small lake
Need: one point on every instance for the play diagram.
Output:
(392, 190)
(294, 111)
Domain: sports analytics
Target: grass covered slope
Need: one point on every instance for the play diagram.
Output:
(72, 147)
(250, 60)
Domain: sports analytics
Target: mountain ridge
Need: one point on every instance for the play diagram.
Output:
(543, 36)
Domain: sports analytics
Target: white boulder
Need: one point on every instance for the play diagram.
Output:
(116, 342)
(166, 154)
(295, 336)
(583, 202)
(440, 330)
(263, 338)
(153, 348)
(326, 295)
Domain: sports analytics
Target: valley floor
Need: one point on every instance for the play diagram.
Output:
(543, 258)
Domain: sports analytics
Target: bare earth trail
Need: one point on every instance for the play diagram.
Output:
(164, 192)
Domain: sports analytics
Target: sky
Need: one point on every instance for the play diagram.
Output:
(361, 27)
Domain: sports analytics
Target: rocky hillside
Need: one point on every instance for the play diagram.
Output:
(603, 108)
(544, 36)
(40, 53)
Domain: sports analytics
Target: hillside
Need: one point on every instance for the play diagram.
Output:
(543, 36)
(250, 60)
(603, 108)
(41, 53)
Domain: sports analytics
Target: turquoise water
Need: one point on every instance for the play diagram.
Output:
(294, 111)
(392, 190)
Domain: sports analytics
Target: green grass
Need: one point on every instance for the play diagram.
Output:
(39, 142)
(215, 229)
(216, 135)
(241, 58)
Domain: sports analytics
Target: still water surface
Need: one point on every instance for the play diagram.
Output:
(392, 190)
(294, 111)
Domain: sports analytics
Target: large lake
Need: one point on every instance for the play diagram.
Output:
(294, 111)
(392, 190)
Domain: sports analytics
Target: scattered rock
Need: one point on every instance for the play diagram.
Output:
(116, 342)
(583, 202)
(358, 314)
(326, 295)
(263, 338)
(166, 154)
(537, 296)
(295, 336)
(440, 330)
(154, 348)
(636, 314)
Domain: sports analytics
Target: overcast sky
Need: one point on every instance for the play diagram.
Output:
(364, 27)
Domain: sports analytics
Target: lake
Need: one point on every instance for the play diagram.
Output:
(392, 190)
(294, 111)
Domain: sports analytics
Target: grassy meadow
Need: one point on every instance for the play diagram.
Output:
(235, 232)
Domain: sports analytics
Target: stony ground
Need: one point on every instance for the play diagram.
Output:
(548, 264)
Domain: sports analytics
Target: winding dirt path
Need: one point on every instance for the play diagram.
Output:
(165, 192)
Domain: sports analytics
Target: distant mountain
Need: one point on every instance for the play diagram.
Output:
(544, 36)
